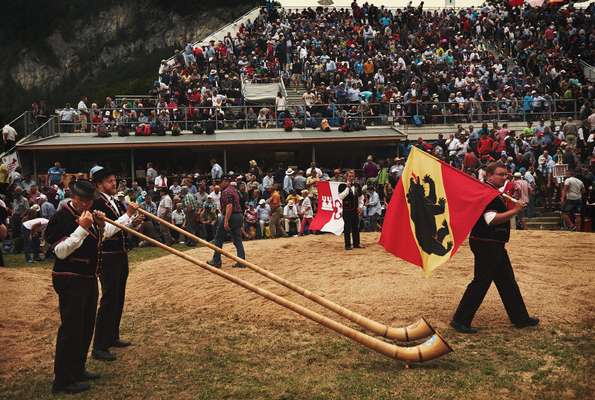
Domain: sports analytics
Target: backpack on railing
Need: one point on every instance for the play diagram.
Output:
(197, 129)
(143, 130)
(175, 130)
(210, 127)
(123, 130)
(159, 130)
(102, 131)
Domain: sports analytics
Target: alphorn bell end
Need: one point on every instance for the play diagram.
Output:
(432, 348)
(417, 330)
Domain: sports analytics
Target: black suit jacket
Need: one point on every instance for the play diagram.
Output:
(116, 243)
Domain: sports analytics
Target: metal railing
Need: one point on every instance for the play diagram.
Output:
(136, 98)
(24, 124)
(350, 115)
(44, 131)
(588, 71)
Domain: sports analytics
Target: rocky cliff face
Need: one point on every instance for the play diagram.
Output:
(118, 48)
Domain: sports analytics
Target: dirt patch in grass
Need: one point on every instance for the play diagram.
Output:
(197, 336)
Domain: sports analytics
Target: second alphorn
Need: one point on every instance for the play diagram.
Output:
(418, 330)
(432, 348)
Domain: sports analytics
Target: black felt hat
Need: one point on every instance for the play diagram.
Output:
(83, 189)
(99, 173)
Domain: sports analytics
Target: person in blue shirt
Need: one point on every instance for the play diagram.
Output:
(527, 103)
(359, 68)
(55, 174)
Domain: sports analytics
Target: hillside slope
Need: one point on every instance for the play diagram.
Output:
(59, 50)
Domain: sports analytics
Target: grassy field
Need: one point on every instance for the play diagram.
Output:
(232, 362)
(197, 337)
(135, 256)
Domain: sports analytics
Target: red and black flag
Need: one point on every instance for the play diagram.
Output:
(432, 211)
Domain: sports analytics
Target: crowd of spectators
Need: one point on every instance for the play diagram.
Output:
(404, 66)
(551, 166)
(442, 65)
(358, 66)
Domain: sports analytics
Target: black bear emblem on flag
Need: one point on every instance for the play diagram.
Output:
(424, 210)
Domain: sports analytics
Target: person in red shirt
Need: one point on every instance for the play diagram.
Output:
(470, 162)
(485, 146)
(549, 34)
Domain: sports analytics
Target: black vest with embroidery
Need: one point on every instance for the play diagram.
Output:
(350, 202)
(87, 258)
(499, 232)
(116, 243)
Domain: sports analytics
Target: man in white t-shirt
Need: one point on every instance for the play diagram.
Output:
(572, 202)
(67, 118)
(164, 212)
(309, 98)
(315, 168)
(216, 196)
(9, 137)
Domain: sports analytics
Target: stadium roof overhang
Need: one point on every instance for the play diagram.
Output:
(227, 138)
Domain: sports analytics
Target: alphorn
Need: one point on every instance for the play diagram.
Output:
(432, 348)
(418, 330)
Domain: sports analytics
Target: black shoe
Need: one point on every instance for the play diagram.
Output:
(526, 323)
(103, 355)
(89, 376)
(348, 248)
(212, 264)
(359, 246)
(73, 388)
(238, 265)
(121, 343)
(462, 328)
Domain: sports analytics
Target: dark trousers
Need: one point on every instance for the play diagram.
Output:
(31, 244)
(114, 273)
(77, 299)
(351, 228)
(190, 227)
(491, 264)
(236, 220)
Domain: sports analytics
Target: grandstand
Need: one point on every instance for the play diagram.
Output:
(401, 72)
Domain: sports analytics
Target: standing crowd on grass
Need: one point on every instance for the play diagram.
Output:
(281, 200)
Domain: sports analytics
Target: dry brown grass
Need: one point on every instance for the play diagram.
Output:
(198, 336)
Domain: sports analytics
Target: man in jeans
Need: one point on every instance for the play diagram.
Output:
(164, 212)
(231, 222)
(571, 200)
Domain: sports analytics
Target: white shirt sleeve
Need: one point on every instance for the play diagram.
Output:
(344, 193)
(71, 243)
(110, 230)
(489, 216)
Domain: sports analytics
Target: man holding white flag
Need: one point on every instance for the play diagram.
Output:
(353, 203)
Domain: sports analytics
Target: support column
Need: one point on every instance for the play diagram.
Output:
(132, 173)
(224, 161)
(35, 166)
(313, 153)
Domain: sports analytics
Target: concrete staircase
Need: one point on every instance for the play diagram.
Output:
(545, 220)
(294, 95)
